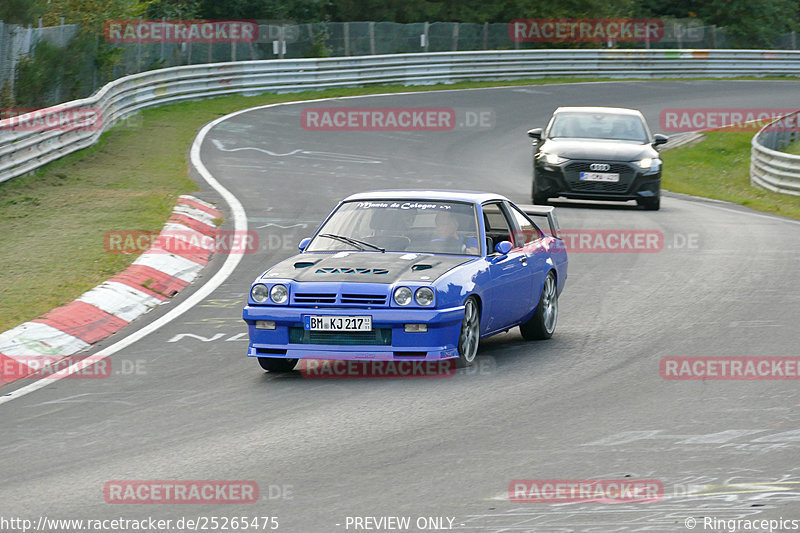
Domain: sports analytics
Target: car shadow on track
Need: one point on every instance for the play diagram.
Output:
(595, 204)
(505, 351)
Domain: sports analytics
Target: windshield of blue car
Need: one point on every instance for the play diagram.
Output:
(610, 126)
(418, 226)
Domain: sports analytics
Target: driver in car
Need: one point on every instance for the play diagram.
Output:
(446, 237)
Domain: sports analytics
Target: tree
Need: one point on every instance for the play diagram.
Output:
(173, 9)
(748, 23)
(91, 15)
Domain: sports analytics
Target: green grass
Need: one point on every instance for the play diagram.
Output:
(793, 148)
(53, 222)
(719, 168)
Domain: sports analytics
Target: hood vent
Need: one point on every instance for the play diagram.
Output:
(348, 270)
(304, 264)
(421, 267)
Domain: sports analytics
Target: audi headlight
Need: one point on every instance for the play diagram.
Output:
(553, 159)
(402, 296)
(423, 296)
(647, 162)
(259, 293)
(279, 293)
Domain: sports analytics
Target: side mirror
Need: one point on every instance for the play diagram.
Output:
(535, 133)
(659, 139)
(304, 243)
(503, 247)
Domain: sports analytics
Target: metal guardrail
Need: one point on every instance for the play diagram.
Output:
(769, 167)
(24, 150)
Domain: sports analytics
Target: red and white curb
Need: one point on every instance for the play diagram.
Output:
(155, 277)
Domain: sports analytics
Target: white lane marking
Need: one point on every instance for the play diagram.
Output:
(304, 154)
(270, 225)
(221, 147)
(231, 262)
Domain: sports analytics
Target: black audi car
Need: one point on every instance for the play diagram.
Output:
(597, 153)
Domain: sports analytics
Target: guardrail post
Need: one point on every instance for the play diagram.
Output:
(346, 38)
(163, 31)
(139, 48)
(372, 38)
(455, 37)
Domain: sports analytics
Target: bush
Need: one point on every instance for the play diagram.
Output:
(52, 75)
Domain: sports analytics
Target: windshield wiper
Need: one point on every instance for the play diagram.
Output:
(352, 242)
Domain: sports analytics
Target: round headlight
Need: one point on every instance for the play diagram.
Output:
(279, 293)
(259, 293)
(424, 296)
(402, 296)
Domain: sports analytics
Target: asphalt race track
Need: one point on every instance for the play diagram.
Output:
(184, 403)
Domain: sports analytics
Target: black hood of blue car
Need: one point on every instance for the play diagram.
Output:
(365, 267)
(598, 150)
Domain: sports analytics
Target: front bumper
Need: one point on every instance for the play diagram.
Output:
(564, 180)
(392, 343)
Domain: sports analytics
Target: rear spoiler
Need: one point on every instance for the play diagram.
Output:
(541, 214)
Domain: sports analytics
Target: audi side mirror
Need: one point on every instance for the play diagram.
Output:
(535, 133)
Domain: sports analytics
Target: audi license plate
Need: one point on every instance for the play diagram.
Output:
(599, 176)
(337, 323)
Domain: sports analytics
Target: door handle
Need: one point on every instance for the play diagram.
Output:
(523, 260)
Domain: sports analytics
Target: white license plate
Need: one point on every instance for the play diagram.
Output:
(599, 176)
(337, 323)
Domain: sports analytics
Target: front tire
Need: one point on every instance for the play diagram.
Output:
(469, 337)
(536, 197)
(651, 204)
(274, 364)
(542, 324)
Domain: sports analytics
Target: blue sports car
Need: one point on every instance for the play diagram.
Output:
(409, 276)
